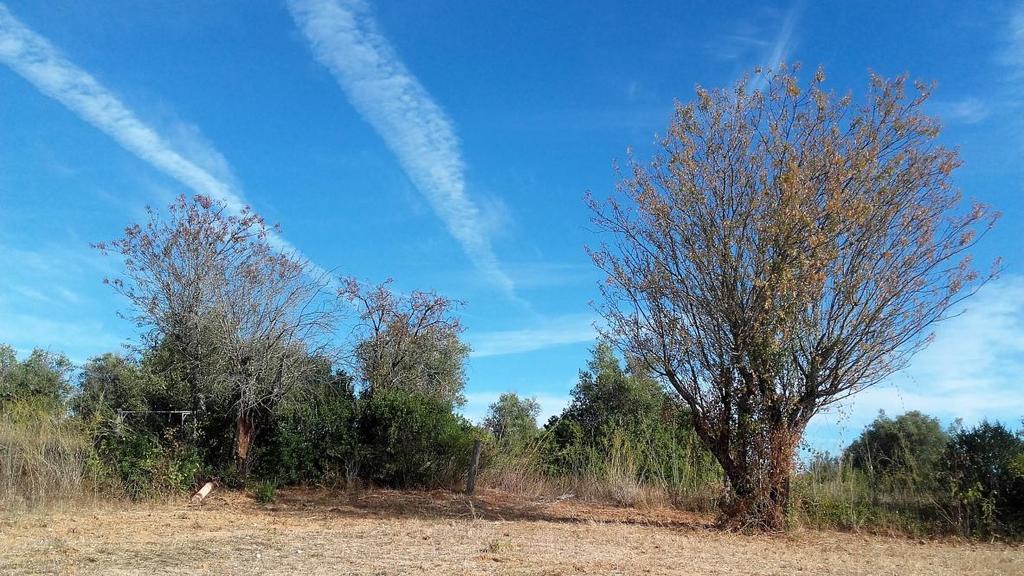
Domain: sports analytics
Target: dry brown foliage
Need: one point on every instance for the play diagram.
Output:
(785, 250)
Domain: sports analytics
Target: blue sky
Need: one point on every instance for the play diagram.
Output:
(449, 145)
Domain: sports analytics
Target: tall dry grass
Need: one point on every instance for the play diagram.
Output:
(43, 456)
(616, 475)
(845, 498)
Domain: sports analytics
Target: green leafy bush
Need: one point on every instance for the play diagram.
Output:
(139, 464)
(312, 438)
(265, 492)
(903, 452)
(983, 473)
(625, 413)
(412, 440)
(42, 376)
(140, 450)
(512, 420)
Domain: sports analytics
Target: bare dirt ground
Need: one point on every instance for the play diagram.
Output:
(312, 532)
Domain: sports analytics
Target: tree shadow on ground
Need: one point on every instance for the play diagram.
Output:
(485, 504)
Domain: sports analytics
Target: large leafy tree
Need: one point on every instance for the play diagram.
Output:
(236, 313)
(785, 250)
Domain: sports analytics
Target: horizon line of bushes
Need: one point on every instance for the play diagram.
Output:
(128, 429)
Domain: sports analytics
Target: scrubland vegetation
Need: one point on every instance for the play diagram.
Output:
(785, 251)
(623, 440)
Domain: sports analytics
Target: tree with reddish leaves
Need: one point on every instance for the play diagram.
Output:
(785, 250)
(409, 342)
(240, 316)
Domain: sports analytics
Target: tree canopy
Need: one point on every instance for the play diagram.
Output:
(785, 250)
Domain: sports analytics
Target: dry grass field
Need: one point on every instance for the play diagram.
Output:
(316, 532)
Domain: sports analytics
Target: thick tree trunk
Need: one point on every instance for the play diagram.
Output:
(759, 482)
(244, 432)
(762, 505)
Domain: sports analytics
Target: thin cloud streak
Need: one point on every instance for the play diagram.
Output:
(1014, 55)
(781, 46)
(344, 38)
(967, 110)
(971, 371)
(39, 62)
(573, 329)
(780, 50)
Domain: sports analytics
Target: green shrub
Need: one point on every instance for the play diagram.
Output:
(512, 420)
(983, 474)
(139, 450)
(139, 464)
(622, 416)
(110, 382)
(42, 376)
(265, 492)
(312, 438)
(976, 487)
(900, 453)
(411, 440)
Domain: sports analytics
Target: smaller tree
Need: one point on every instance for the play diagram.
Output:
(408, 342)
(43, 376)
(906, 450)
(512, 419)
(623, 413)
(111, 382)
(237, 313)
(983, 468)
(609, 396)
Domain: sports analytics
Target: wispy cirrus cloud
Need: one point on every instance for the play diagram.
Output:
(781, 47)
(1013, 56)
(559, 331)
(345, 38)
(203, 169)
(38, 307)
(967, 110)
(764, 39)
(972, 370)
(784, 39)
(1010, 95)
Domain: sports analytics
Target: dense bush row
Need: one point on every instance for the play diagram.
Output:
(128, 427)
(909, 473)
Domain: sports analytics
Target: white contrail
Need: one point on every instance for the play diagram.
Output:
(780, 49)
(781, 46)
(41, 63)
(345, 39)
